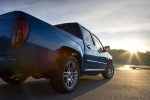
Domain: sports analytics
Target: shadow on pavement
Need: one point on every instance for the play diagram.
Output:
(41, 89)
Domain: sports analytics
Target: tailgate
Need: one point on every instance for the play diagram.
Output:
(6, 23)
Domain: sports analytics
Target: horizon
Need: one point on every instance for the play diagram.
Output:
(118, 23)
(130, 52)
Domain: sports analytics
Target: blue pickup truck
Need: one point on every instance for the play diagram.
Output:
(61, 53)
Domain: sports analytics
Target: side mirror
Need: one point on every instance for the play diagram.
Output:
(100, 50)
(106, 48)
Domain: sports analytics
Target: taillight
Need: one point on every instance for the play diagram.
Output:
(19, 33)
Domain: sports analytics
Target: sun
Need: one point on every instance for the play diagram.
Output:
(132, 51)
(133, 46)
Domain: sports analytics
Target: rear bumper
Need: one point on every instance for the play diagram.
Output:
(7, 65)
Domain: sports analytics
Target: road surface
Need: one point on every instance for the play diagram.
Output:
(126, 84)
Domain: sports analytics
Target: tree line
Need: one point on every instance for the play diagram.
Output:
(125, 57)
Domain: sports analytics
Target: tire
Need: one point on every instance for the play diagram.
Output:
(15, 79)
(65, 76)
(108, 74)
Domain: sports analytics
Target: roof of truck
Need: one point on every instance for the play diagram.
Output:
(67, 23)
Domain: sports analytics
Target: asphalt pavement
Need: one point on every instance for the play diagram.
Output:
(127, 84)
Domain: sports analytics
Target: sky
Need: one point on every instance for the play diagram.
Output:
(121, 24)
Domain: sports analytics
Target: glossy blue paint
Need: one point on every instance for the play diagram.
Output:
(38, 54)
(6, 21)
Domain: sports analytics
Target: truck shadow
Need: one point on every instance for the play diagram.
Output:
(41, 89)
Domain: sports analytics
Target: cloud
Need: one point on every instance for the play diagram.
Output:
(116, 20)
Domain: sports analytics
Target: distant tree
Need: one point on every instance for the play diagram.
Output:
(125, 57)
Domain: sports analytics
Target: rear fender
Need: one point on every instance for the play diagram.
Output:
(72, 49)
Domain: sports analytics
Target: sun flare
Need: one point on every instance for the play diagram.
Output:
(132, 51)
(133, 46)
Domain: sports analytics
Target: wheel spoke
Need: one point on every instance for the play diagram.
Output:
(68, 65)
(73, 66)
(75, 75)
(75, 72)
(110, 72)
(72, 81)
(67, 82)
(65, 74)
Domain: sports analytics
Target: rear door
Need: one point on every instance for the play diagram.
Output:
(102, 55)
(90, 61)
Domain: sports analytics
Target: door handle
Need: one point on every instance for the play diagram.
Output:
(88, 46)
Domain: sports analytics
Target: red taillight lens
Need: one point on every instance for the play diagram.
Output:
(19, 33)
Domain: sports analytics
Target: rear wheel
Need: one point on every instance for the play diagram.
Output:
(15, 78)
(108, 74)
(65, 76)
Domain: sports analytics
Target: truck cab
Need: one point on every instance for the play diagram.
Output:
(95, 56)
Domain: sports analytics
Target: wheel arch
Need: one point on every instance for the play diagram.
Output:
(68, 51)
(110, 61)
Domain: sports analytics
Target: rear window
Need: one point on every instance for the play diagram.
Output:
(69, 28)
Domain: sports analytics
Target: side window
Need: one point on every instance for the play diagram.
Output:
(87, 37)
(98, 43)
(69, 28)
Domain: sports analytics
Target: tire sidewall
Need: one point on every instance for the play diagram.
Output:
(57, 78)
(105, 74)
(112, 67)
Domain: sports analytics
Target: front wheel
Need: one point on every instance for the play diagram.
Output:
(15, 78)
(108, 74)
(65, 76)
